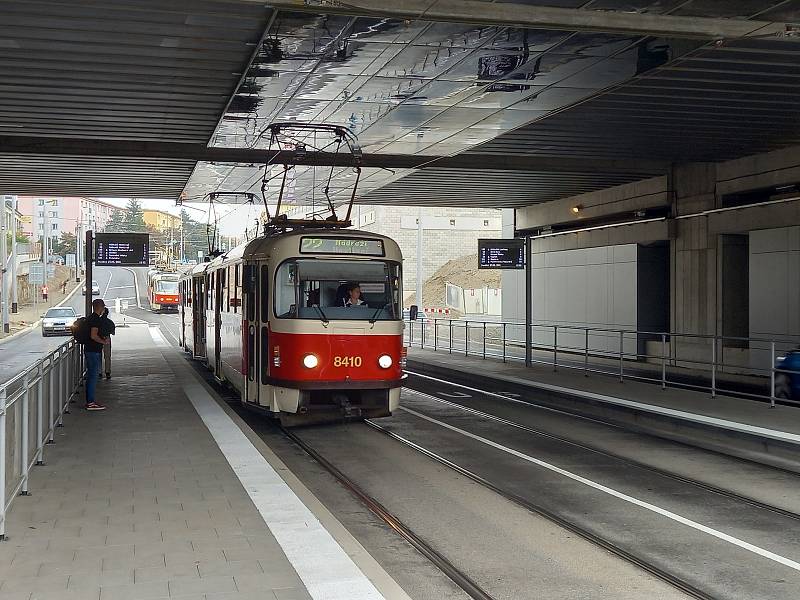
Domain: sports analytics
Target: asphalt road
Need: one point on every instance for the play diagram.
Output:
(20, 352)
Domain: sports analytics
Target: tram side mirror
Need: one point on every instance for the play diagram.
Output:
(413, 310)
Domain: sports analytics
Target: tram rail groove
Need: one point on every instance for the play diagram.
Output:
(625, 460)
(461, 579)
(658, 572)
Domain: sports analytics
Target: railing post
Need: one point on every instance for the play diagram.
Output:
(450, 337)
(26, 382)
(621, 355)
(60, 390)
(435, 335)
(713, 366)
(51, 420)
(772, 375)
(663, 361)
(586, 352)
(466, 338)
(411, 334)
(555, 347)
(422, 334)
(504, 342)
(3, 398)
(484, 340)
(40, 415)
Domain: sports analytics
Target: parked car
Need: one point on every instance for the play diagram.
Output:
(58, 321)
(787, 385)
(95, 289)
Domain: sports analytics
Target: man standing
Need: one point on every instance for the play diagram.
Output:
(44, 292)
(93, 351)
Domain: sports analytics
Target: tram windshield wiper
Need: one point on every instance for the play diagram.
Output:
(374, 318)
(322, 316)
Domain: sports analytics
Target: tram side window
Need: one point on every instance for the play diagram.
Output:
(285, 290)
(264, 294)
(249, 287)
(222, 283)
(237, 289)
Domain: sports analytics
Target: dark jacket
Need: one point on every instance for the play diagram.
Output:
(107, 326)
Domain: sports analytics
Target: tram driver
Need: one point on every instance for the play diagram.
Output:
(353, 296)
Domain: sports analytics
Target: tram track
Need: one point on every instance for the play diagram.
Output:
(525, 503)
(461, 579)
(618, 457)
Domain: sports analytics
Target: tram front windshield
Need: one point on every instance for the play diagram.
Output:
(167, 287)
(320, 289)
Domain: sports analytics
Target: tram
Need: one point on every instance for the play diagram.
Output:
(162, 291)
(306, 324)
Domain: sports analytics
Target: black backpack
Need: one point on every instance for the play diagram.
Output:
(80, 330)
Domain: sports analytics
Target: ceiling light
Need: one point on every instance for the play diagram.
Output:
(576, 209)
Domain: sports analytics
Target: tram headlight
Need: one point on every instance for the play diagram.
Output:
(385, 361)
(310, 361)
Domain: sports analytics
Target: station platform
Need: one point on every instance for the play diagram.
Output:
(167, 494)
(740, 427)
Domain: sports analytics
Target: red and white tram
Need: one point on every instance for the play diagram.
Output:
(272, 319)
(162, 291)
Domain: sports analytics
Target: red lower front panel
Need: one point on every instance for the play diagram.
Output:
(167, 299)
(341, 358)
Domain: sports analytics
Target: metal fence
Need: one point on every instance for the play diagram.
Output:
(32, 406)
(719, 364)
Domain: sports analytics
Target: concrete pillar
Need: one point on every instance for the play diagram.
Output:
(693, 251)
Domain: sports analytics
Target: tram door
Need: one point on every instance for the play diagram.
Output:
(219, 285)
(199, 316)
(250, 331)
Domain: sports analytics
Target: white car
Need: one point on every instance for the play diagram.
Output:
(95, 289)
(58, 321)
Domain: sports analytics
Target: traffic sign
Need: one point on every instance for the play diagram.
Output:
(36, 273)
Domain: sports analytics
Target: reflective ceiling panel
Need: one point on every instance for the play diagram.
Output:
(119, 70)
(423, 88)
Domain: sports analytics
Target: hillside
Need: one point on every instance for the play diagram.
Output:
(463, 272)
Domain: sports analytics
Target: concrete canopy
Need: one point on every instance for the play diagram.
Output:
(576, 97)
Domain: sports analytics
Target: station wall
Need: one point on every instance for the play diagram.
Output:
(775, 282)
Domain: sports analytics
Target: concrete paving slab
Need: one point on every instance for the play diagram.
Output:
(139, 502)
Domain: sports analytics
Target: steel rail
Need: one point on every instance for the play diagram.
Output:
(443, 564)
(625, 460)
(665, 576)
(597, 420)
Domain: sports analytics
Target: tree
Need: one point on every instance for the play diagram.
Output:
(195, 236)
(116, 224)
(66, 245)
(134, 217)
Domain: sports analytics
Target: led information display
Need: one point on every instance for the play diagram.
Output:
(501, 254)
(320, 245)
(122, 249)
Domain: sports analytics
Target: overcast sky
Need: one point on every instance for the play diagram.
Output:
(232, 219)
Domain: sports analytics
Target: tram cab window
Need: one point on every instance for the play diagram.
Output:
(315, 289)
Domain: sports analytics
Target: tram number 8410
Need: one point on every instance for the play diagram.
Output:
(346, 361)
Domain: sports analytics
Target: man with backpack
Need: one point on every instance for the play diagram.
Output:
(87, 332)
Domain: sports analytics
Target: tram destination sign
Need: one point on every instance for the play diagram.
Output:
(122, 249)
(501, 254)
(331, 245)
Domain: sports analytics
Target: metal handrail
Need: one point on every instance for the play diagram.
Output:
(555, 349)
(48, 386)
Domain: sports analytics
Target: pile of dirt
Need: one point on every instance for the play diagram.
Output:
(462, 272)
